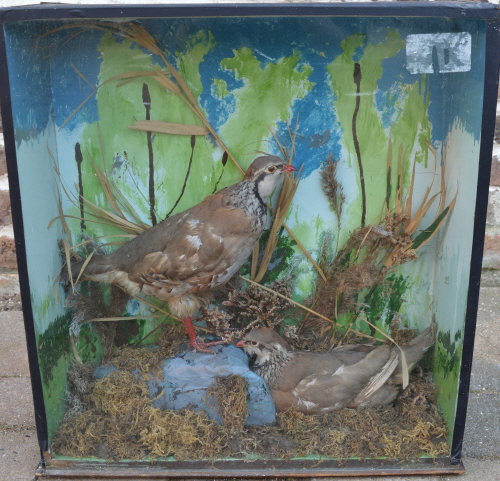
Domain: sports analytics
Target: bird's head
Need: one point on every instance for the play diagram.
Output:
(267, 172)
(264, 344)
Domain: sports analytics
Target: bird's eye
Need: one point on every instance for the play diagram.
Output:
(253, 343)
(271, 169)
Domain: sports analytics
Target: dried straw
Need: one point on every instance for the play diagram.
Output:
(168, 128)
(172, 81)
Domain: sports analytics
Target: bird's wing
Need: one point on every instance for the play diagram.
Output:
(352, 353)
(376, 381)
(198, 249)
(324, 392)
(304, 364)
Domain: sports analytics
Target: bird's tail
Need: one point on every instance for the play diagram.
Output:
(70, 271)
(414, 351)
(79, 270)
(376, 391)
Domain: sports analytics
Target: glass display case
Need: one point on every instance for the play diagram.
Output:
(354, 242)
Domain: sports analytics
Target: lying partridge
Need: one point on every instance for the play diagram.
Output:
(185, 256)
(349, 376)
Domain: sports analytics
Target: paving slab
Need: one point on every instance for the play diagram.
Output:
(490, 278)
(487, 340)
(9, 282)
(19, 455)
(13, 353)
(485, 376)
(16, 403)
(482, 429)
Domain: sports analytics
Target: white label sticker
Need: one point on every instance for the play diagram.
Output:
(438, 52)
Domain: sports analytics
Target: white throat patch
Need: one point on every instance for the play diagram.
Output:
(268, 184)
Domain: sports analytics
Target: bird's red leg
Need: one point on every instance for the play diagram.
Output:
(198, 346)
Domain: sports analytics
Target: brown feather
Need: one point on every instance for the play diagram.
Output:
(194, 251)
(348, 376)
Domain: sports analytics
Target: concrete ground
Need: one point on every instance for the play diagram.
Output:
(19, 454)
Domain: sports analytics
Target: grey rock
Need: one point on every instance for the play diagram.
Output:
(103, 371)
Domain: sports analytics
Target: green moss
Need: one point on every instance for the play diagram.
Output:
(54, 354)
(280, 259)
(89, 345)
(449, 352)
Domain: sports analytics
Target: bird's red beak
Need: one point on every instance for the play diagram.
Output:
(289, 168)
(239, 344)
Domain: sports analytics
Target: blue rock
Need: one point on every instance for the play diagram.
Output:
(187, 377)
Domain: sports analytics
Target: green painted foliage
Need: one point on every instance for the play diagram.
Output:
(385, 300)
(410, 126)
(448, 352)
(89, 345)
(262, 101)
(53, 344)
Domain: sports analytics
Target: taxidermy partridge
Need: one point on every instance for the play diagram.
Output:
(184, 257)
(348, 376)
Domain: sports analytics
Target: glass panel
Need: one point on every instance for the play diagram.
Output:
(133, 123)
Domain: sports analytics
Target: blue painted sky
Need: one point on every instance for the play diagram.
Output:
(36, 95)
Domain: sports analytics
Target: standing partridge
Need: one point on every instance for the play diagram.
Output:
(348, 376)
(185, 256)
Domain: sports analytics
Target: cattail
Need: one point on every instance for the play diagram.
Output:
(331, 186)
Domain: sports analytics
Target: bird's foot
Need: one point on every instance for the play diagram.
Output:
(198, 346)
(202, 346)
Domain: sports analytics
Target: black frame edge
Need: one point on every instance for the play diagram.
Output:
(461, 10)
(473, 10)
(492, 64)
(18, 225)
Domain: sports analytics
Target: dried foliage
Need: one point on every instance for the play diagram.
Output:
(93, 305)
(80, 384)
(120, 422)
(371, 253)
(220, 322)
(258, 307)
(404, 432)
(246, 309)
(229, 395)
(290, 184)
(147, 359)
(112, 394)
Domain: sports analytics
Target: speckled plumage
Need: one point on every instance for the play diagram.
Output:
(187, 255)
(349, 376)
